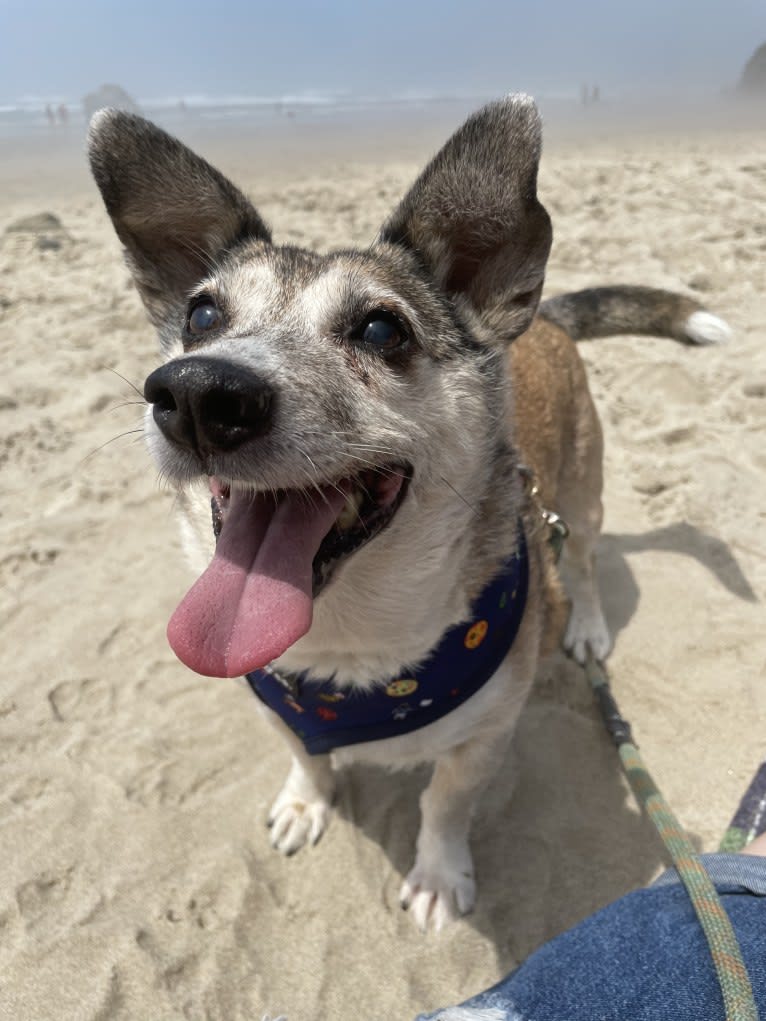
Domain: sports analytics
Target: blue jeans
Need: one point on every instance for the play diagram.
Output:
(643, 958)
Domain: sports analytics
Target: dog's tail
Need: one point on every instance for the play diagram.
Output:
(606, 311)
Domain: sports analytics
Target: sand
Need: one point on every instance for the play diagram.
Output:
(138, 882)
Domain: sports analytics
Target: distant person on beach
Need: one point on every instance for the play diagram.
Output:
(589, 94)
(50, 115)
(63, 113)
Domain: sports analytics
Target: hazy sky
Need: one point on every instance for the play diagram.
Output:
(181, 47)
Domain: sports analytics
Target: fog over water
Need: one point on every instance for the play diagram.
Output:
(283, 82)
(240, 53)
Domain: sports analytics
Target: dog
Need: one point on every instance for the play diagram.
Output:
(382, 436)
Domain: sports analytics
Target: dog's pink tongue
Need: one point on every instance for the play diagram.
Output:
(254, 600)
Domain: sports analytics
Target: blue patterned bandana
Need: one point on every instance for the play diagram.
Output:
(325, 716)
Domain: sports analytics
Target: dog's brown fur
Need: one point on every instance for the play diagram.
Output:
(558, 434)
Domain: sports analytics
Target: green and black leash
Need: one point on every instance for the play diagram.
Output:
(733, 979)
(736, 990)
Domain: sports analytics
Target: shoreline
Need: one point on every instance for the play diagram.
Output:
(43, 161)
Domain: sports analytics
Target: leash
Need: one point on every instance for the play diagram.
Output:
(737, 992)
(730, 969)
(558, 528)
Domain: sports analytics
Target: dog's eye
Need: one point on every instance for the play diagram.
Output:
(382, 330)
(203, 317)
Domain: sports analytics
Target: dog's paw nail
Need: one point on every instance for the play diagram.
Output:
(465, 897)
(587, 631)
(435, 895)
(295, 823)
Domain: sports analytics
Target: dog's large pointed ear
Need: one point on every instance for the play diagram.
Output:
(474, 220)
(174, 213)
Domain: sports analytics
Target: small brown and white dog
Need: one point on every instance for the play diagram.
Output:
(360, 419)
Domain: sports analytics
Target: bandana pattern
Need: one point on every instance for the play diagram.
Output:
(325, 716)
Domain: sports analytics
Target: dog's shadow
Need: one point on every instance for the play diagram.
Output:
(617, 580)
(557, 834)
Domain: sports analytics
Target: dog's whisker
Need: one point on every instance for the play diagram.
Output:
(460, 495)
(112, 439)
(108, 368)
(373, 450)
(175, 501)
(313, 479)
(200, 253)
(124, 404)
(308, 458)
(365, 461)
(167, 481)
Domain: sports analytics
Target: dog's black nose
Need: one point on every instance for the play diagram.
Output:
(208, 405)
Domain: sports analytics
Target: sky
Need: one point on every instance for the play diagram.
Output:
(156, 48)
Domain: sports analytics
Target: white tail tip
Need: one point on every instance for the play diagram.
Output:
(705, 328)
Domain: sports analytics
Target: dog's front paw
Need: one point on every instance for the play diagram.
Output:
(295, 822)
(437, 893)
(587, 627)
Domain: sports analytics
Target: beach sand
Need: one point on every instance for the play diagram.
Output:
(137, 878)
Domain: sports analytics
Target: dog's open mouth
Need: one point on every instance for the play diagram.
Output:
(274, 554)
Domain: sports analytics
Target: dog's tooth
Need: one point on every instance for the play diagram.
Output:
(350, 512)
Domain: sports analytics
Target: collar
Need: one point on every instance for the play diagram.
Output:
(325, 716)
